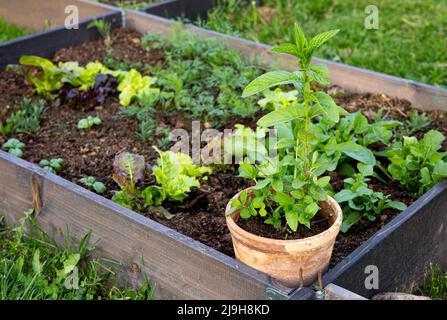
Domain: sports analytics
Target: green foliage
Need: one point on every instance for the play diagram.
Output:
(89, 122)
(175, 176)
(134, 87)
(10, 31)
(128, 4)
(359, 201)
(202, 78)
(419, 25)
(34, 268)
(294, 173)
(52, 165)
(91, 184)
(105, 29)
(414, 124)
(14, 147)
(418, 165)
(434, 284)
(24, 120)
(48, 79)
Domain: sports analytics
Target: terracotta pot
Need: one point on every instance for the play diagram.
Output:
(293, 263)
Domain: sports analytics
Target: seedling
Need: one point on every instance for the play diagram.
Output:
(14, 147)
(105, 30)
(362, 202)
(91, 184)
(24, 120)
(53, 165)
(89, 122)
(418, 165)
(294, 174)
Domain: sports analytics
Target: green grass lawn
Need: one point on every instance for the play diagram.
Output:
(35, 268)
(10, 31)
(411, 41)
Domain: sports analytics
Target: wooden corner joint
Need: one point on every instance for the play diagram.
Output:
(35, 189)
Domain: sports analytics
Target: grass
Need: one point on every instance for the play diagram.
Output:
(434, 284)
(35, 268)
(128, 4)
(10, 31)
(410, 42)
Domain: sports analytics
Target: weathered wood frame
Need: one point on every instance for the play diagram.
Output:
(32, 14)
(181, 267)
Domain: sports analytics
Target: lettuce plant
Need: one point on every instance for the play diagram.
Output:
(52, 165)
(175, 176)
(89, 122)
(14, 147)
(359, 201)
(295, 173)
(418, 165)
(135, 87)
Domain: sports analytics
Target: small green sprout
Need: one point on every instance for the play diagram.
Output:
(89, 122)
(14, 147)
(53, 165)
(91, 184)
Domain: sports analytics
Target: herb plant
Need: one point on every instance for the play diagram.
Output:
(294, 174)
(24, 120)
(14, 147)
(91, 184)
(418, 165)
(89, 122)
(53, 165)
(359, 201)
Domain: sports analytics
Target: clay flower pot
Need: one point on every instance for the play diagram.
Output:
(293, 263)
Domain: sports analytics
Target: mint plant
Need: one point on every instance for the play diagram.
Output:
(294, 174)
(418, 165)
(359, 201)
(52, 165)
(89, 122)
(14, 147)
(91, 184)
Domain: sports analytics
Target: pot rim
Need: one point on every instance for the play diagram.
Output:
(334, 228)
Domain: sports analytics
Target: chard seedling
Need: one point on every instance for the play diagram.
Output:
(91, 184)
(14, 147)
(53, 165)
(89, 122)
(294, 174)
(362, 202)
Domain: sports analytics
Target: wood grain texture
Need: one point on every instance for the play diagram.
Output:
(33, 14)
(180, 267)
(422, 96)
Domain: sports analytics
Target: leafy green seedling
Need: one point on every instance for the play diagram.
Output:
(418, 165)
(53, 165)
(362, 202)
(91, 184)
(89, 122)
(15, 147)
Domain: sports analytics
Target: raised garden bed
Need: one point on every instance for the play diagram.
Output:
(47, 23)
(141, 238)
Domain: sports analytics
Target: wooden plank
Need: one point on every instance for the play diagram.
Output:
(401, 250)
(186, 9)
(422, 96)
(36, 15)
(180, 267)
(46, 43)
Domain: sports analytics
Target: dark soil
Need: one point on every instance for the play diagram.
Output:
(201, 216)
